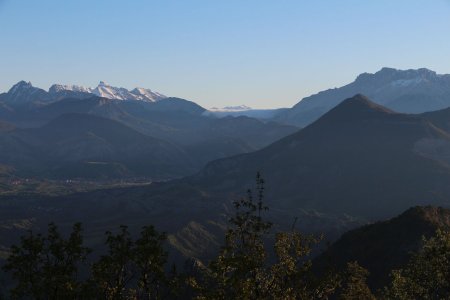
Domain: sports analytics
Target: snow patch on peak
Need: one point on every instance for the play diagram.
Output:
(407, 82)
(147, 94)
(107, 91)
(73, 88)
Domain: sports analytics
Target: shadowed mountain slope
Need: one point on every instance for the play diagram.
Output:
(384, 246)
(86, 146)
(440, 118)
(174, 120)
(360, 158)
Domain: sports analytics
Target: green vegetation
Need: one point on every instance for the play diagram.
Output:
(354, 285)
(427, 274)
(53, 267)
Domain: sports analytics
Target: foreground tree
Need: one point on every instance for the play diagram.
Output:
(149, 258)
(242, 269)
(46, 267)
(427, 274)
(291, 277)
(238, 270)
(112, 273)
(132, 269)
(354, 285)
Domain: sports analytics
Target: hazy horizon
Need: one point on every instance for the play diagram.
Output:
(261, 54)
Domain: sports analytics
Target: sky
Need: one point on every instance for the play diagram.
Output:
(261, 53)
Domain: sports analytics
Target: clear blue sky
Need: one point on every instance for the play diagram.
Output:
(259, 53)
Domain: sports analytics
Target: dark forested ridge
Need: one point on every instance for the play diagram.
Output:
(387, 245)
(413, 249)
(82, 145)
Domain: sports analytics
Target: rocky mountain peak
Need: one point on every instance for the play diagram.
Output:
(21, 85)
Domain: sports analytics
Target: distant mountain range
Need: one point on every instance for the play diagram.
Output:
(105, 90)
(25, 93)
(406, 91)
(231, 108)
(238, 111)
(177, 122)
(206, 135)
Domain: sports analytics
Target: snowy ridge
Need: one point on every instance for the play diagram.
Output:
(56, 88)
(110, 92)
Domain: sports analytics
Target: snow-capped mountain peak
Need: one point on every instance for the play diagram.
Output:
(106, 91)
(110, 92)
(24, 92)
(73, 88)
(147, 94)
